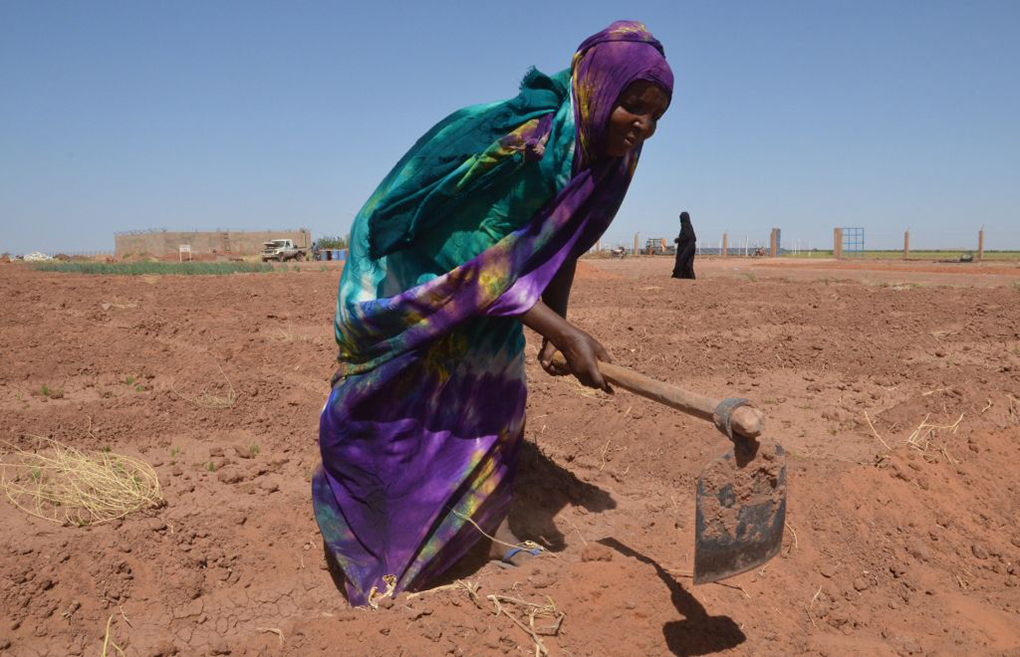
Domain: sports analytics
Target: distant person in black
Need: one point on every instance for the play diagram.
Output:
(685, 244)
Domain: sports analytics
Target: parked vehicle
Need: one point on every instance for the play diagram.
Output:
(282, 251)
(658, 246)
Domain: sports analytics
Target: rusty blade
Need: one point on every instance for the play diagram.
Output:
(741, 510)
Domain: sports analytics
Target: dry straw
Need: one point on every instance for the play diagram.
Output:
(921, 437)
(533, 611)
(67, 486)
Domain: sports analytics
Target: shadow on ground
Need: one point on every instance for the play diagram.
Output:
(698, 633)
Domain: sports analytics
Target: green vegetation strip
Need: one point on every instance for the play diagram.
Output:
(138, 268)
(914, 255)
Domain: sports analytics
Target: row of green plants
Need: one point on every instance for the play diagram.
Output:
(138, 268)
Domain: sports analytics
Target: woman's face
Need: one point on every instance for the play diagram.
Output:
(637, 112)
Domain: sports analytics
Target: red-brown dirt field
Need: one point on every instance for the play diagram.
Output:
(889, 548)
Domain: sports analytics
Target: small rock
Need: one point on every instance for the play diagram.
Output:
(215, 451)
(906, 644)
(177, 470)
(828, 570)
(432, 632)
(415, 614)
(861, 584)
(269, 486)
(230, 476)
(979, 551)
(596, 552)
(543, 581)
(242, 452)
(919, 551)
(165, 649)
(220, 648)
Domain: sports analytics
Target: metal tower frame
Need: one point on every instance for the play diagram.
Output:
(853, 241)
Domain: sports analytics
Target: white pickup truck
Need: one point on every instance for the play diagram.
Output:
(281, 251)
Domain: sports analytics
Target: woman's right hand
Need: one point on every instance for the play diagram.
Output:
(582, 353)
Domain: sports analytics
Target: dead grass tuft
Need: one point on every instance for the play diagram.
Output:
(922, 436)
(61, 484)
(531, 611)
(107, 641)
(206, 398)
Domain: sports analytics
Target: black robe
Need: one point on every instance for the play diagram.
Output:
(685, 248)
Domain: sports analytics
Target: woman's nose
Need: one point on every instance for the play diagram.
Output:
(643, 124)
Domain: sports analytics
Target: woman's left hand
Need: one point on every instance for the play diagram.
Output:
(545, 356)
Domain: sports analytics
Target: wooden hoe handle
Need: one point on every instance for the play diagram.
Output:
(745, 421)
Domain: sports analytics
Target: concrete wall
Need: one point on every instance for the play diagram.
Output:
(231, 243)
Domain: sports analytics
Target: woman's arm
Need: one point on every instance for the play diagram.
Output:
(557, 294)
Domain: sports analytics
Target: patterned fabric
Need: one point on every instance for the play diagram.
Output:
(422, 431)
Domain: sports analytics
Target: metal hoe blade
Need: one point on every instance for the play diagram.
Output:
(741, 510)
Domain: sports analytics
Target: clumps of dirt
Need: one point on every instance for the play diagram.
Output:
(897, 545)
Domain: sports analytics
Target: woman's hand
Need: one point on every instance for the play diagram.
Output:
(545, 356)
(582, 353)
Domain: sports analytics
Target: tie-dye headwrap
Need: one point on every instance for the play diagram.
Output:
(604, 65)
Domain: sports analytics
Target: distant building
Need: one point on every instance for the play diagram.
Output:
(225, 243)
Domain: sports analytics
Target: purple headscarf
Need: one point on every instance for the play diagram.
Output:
(604, 65)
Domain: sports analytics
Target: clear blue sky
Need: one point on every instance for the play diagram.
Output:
(250, 115)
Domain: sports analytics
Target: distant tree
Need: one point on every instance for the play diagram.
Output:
(335, 242)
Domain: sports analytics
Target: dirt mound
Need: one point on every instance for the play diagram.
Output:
(899, 409)
(588, 271)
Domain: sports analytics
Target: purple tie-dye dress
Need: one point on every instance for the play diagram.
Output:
(422, 430)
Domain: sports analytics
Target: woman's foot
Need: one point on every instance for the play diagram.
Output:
(512, 556)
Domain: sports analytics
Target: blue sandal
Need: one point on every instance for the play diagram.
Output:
(532, 549)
